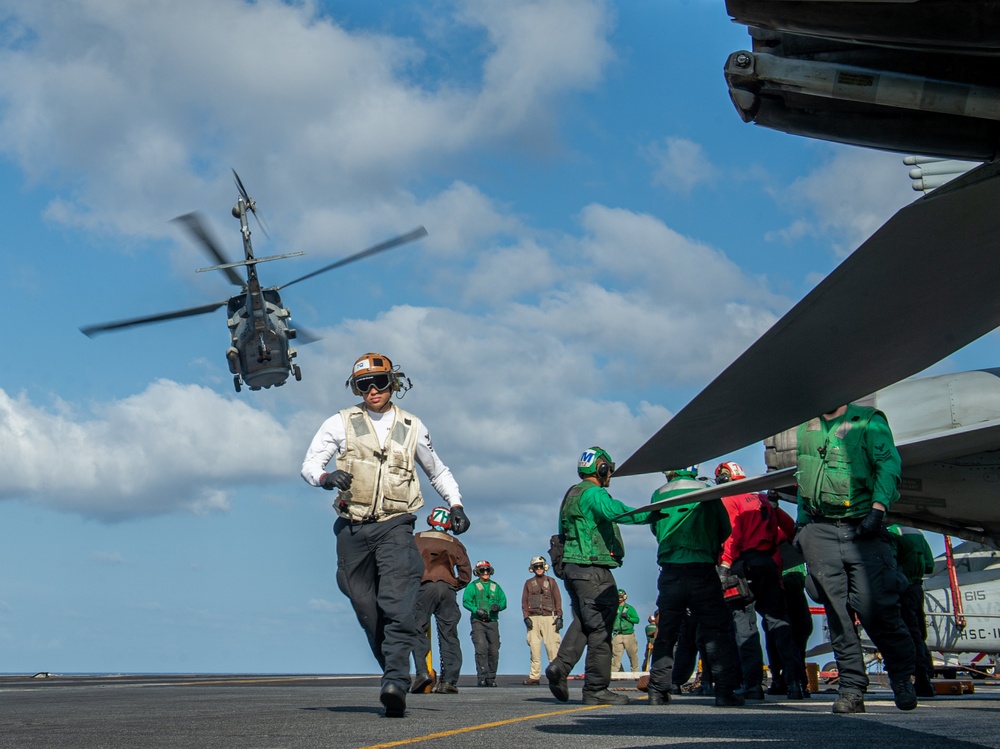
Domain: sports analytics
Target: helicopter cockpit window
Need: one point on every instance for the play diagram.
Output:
(236, 303)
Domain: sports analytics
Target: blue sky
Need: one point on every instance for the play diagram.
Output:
(605, 236)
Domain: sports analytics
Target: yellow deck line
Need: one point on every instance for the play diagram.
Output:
(480, 727)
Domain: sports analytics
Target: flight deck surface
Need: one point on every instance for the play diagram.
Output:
(302, 712)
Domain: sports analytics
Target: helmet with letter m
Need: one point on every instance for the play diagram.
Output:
(595, 461)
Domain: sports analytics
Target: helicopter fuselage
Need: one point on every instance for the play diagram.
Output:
(259, 353)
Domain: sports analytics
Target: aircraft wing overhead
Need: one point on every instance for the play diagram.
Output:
(898, 304)
(950, 444)
(774, 480)
(916, 76)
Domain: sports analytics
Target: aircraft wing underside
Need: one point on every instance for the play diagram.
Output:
(964, 508)
(917, 290)
(918, 76)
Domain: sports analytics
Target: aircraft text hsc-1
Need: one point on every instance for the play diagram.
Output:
(962, 606)
(962, 613)
(259, 352)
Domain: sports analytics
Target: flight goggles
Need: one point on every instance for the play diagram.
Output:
(380, 382)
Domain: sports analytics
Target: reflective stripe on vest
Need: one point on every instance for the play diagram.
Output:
(385, 483)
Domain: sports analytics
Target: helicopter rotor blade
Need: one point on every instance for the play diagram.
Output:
(251, 204)
(91, 330)
(374, 250)
(306, 336)
(197, 228)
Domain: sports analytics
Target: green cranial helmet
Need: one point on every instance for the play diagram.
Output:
(592, 461)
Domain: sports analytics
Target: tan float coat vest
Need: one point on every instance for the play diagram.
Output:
(385, 483)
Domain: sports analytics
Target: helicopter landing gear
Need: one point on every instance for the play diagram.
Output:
(297, 372)
(237, 384)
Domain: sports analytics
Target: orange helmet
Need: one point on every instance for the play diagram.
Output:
(371, 365)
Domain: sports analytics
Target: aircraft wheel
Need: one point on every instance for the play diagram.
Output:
(297, 372)
(831, 667)
(236, 383)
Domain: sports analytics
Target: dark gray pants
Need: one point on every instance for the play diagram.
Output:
(438, 599)
(800, 618)
(769, 602)
(379, 570)
(858, 576)
(486, 641)
(694, 587)
(911, 605)
(685, 652)
(593, 595)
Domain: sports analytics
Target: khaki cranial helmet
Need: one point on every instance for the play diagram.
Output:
(372, 368)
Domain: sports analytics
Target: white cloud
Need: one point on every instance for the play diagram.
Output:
(143, 107)
(680, 164)
(171, 447)
(525, 360)
(849, 197)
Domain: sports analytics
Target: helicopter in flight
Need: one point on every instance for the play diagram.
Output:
(259, 353)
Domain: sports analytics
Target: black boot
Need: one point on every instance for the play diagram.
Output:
(393, 699)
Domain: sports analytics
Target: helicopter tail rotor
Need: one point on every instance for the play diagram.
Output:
(251, 204)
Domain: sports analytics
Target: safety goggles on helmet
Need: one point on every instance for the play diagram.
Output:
(365, 383)
(482, 567)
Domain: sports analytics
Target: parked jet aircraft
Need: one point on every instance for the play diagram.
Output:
(960, 635)
(973, 626)
(901, 75)
(947, 429)
(897, 305)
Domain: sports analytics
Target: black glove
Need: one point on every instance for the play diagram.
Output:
(527, 623)
(494, 609)
(482, 616)
(336, 480)
(871, 526)
(559, 623)
(726, 576)
(459, 520)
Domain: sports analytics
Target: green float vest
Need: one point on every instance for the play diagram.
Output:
(588, 541)
(834, 470)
